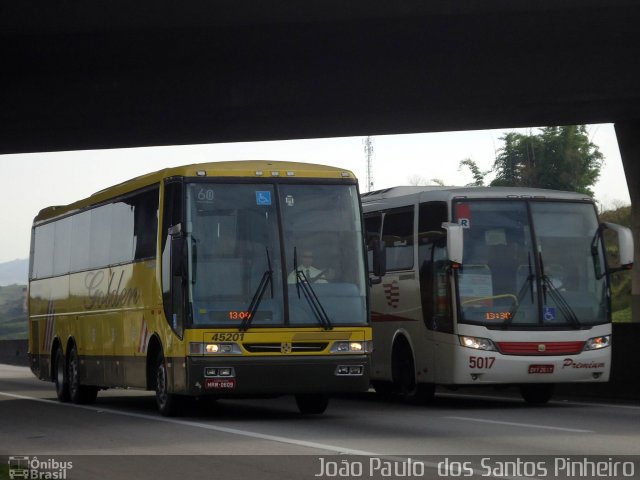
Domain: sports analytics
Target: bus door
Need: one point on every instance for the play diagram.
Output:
(435, 287)
(395, 299)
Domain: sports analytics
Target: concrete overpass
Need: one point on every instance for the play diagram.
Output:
(122, 73)
(98, 74)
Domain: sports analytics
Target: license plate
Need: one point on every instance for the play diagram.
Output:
(220, 383)
(540, 368)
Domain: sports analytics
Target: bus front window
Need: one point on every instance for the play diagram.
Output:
(236, 255)
(322, 240)
(509, 280)
(495, 283)
(233, 246)
(571, 289)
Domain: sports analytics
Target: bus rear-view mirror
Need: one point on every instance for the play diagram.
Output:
(455, 242)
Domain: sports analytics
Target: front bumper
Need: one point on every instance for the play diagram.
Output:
(275, 375)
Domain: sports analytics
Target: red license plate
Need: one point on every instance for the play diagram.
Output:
(540, 368)
(220, 383)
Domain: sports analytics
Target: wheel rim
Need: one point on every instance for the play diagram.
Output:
(59, 371)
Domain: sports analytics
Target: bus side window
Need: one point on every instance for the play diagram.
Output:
(397, 236)
(441, 297)
(173, 292)
(435, 288)
(372, 224)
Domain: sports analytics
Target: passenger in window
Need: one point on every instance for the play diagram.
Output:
(310, 273)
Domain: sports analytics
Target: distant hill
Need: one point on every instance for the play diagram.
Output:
(14, 272)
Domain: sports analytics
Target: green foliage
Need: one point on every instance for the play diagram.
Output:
(620, 281)
(478, 175)
(13, 319)
(621, 216)
(560, 158)
(622, 316)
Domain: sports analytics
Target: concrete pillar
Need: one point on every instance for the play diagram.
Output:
(628, 134)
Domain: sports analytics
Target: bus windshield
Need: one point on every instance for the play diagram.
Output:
(530, 263)
(245, 239)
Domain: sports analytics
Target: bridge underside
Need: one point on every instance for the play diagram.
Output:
(124, 73)
(84, 75)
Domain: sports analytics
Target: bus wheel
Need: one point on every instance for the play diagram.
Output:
(404, 372)
(169, 404)
(78, 393)
(60, 376)
(312, 403)
(537, 394)
(404, 379)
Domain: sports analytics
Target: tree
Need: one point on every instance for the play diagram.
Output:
(417, 180)
(478, 175)
(560, 158)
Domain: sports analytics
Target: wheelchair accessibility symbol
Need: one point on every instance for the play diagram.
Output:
(263, 198)
(549, 314)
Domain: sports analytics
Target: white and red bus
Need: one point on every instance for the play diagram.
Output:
(488, 286)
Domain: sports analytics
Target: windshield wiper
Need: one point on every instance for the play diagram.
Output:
(267, 279)
(303, 283)
(559, 300)
(557, 297)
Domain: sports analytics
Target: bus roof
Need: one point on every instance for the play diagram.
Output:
(238, 168)
(415, 194)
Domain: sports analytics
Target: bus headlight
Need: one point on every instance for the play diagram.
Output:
(202, 348)
(351, 347)
(596, 343)
(477, 343)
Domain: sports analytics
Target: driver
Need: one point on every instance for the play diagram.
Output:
(311, 273)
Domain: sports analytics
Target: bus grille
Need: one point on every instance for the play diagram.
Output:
(296, 347)
(540, 348)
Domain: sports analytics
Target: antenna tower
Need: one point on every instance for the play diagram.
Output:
(368, 150)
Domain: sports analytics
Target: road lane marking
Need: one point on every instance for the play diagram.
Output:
(525, 425)
(245, 433)
(206, 426)
(290, 441)
(552, 402)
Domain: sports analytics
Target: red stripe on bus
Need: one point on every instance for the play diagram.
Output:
(540, 348)
(383, 317)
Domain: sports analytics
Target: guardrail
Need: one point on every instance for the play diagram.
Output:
(14, 352)
(624, 382)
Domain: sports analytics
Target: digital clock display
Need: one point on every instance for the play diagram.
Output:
(239, 315)
(497, 316)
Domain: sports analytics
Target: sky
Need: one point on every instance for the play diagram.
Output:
(34, 181)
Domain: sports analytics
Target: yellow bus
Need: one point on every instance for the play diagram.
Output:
(194, 281)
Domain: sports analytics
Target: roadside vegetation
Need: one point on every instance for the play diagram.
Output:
(621, 281)
(13, 318)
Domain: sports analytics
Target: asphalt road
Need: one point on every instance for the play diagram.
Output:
(122, 436)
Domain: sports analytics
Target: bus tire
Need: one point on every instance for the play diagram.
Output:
(404, 378)
(169, 404)
(537, 394)
(404, 371)
(312, 403)
(78, 393)
(60, 378)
